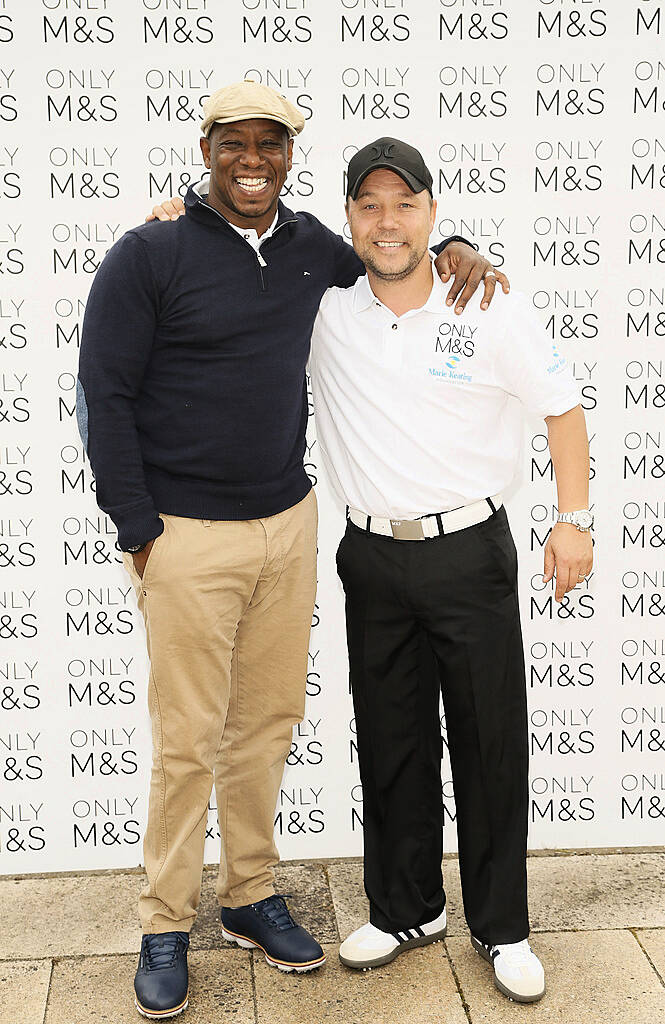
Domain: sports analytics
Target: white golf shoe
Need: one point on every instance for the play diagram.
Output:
(370, 947)
(518, 972)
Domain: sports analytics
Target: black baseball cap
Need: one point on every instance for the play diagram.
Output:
(393, 155)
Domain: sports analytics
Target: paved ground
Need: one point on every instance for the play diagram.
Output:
(68, 952)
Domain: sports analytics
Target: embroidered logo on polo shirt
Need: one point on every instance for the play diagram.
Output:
(456, 340)
(450, 375)
(560, 360)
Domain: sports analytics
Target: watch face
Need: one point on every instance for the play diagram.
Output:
(585, 519)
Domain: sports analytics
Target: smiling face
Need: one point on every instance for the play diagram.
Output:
(390, 225)
(248, 162)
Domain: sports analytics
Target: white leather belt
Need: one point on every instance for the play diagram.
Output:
(433, 525)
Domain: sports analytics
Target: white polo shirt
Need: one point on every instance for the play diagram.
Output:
(421, 413)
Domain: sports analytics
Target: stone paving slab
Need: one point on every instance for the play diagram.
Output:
(311, 904)
(654, 943)
(86, 914)
(348, 895)
(96, 914)
(623, 890)
(414, 989)
(583, 892)
(99, 990)
(24, 987)
(579, 904)
(592, 977)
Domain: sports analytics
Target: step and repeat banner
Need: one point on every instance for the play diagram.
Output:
(543, 122)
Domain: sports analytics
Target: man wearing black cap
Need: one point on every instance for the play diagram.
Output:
(193, 415)
(419, 423)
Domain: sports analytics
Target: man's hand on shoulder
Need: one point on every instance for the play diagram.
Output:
(170, 209)
(469, 268)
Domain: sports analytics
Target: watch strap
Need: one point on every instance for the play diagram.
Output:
(574, 518)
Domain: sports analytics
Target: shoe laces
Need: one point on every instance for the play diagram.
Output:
(161, 951)
(519, 953)
(276, 912)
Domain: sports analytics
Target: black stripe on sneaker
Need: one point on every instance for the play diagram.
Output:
(397, 937)
(419, 932)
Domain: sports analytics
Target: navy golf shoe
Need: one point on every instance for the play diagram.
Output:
(161, 982)
(268, 926)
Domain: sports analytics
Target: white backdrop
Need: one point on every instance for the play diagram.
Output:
(542, 122)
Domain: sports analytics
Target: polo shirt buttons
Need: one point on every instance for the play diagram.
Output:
(394, 327)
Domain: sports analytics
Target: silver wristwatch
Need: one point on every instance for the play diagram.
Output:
(583, 519)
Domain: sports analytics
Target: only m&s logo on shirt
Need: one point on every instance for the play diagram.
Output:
(456, 342)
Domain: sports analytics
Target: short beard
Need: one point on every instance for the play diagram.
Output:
(397, 275)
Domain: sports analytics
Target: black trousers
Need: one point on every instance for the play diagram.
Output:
(425, 617)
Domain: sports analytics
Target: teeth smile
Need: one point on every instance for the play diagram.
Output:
(389, 245)
(252, 184)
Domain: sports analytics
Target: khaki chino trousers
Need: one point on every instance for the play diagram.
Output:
(227, 608)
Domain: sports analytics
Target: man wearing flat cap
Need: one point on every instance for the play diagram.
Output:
(192, 405)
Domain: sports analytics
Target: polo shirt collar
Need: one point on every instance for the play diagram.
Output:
(364, 298)
(437, 297)
(252, 235)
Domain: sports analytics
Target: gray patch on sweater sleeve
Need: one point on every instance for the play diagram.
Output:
(82, 413)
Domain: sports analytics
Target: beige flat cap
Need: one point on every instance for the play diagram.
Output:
(242, 101)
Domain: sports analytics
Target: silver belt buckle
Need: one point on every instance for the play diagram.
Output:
(407, 529)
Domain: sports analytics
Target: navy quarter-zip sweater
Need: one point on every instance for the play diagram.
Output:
(192, 397)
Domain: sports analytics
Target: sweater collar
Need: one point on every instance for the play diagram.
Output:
(196, 203)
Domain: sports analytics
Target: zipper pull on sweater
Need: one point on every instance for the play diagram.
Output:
(262, 262)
